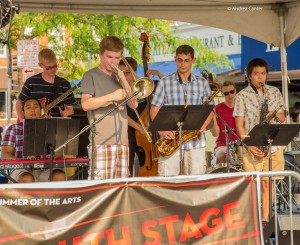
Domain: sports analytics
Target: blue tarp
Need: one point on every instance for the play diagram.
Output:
(169, 67)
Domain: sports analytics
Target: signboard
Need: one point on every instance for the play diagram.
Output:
(135, 211)
(28, 53)
(254, 49)
(27, 73)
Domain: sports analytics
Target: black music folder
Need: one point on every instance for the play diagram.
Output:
(280, 134)
(193, 117)
(39, 134)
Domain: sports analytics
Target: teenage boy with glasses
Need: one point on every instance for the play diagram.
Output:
(181, 88)
(225, 111)
(47, 85)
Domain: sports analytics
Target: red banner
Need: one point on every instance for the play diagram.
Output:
(147, 211)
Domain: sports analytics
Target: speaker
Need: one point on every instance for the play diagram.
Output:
(283, 228)
(83, 138)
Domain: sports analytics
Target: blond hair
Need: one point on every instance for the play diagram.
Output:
(46, 55)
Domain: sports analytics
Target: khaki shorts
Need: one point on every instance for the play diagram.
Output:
(254, 164)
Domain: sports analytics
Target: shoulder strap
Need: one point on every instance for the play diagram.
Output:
(56, 88)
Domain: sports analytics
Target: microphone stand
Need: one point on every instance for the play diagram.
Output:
(180, 125)
(86, 128)
(227, 130)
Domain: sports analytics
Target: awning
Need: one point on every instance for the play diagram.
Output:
(169, 67)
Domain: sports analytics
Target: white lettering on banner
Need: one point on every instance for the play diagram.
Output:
(39, 201)
(271, 48)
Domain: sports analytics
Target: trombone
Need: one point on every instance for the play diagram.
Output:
(144, 86)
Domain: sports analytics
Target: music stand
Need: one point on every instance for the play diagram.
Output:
(41, 136)
(180, 117)
(271, 135)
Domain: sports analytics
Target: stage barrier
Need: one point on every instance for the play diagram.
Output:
(206, 209)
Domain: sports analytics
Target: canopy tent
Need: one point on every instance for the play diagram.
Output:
(275, 22)
(257, 19)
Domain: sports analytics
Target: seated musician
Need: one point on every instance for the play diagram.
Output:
(12, 146)
(132, 118)
(225, 111)
(133, 123)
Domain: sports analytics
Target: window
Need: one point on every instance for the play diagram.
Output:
(2, 105)
(3, 108)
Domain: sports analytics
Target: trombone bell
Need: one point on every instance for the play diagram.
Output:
(144, 86)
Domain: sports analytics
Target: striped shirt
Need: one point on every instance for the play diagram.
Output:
(37, 87)
(170, 91)
(14, 137)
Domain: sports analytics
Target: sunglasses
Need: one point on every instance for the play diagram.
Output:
(50, 67)
(229, 92)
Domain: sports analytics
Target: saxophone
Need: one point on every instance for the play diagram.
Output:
(262, 120)
(166, 147)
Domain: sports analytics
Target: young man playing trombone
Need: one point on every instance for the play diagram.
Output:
(103, 88)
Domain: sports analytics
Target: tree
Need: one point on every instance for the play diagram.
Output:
(75, 37)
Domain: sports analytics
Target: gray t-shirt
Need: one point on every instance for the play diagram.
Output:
(112, 129)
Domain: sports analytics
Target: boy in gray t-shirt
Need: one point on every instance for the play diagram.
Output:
(100, 92)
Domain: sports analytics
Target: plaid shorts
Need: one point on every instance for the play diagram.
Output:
(111, 161)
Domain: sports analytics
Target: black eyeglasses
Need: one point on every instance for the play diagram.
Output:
(50, 67)
(231, 92)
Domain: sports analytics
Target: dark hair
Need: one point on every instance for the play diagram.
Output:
(256, 62)
(111, 43)
(297, 105)
(228, 83)
(185, 49)
(27, 99)
(131, 61)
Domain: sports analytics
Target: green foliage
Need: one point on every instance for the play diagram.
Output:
(75, 37)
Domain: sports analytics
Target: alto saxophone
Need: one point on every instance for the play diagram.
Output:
(166, 147)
